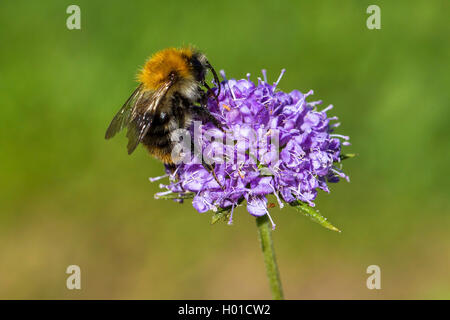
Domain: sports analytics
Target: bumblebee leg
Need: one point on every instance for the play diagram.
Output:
(210, 93)
(208, 167)
(206, 116)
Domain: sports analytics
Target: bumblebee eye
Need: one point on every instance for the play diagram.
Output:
(198, 68)
(195, 63)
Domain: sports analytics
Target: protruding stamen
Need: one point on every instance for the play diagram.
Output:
(231, 90)
(341, 174)
(340, 136)
(230, 221)
(271, 221)
(300, 103)
(315, 103)
(310, 92)
(335, 125)
(276, 196)
(279, 78)
(222, 73)
(328, 108)
(153, 179)
(161, 194)
(297, 192)
(174, 174)
(264, 73)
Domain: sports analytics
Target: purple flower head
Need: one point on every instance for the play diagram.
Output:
(270, 143)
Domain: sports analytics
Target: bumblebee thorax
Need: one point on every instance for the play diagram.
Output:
(164, 63)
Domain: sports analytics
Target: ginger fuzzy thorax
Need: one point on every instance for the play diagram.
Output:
(158, 68)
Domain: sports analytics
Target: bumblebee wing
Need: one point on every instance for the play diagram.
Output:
(123, 117)
(141, 120)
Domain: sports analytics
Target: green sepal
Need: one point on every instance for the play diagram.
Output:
(221, 214)
(174, 196)
(347, 156)
(265, 172)
(314, 214)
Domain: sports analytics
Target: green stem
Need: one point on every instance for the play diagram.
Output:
(265, 237)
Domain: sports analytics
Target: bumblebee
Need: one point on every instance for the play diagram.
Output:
(172, 92)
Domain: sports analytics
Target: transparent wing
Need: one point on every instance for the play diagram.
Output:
(124, 116)
(142, 118)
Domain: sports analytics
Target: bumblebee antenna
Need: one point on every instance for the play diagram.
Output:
(210, 168)
(211, 92)
(216, 79)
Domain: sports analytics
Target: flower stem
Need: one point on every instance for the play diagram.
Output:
(265, 237)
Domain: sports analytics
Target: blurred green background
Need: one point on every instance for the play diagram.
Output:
(70, 197)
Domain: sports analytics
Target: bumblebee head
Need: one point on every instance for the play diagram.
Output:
(186, 63)
(200, 65)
